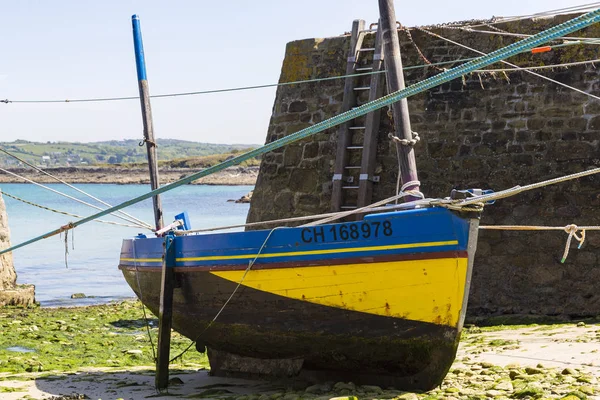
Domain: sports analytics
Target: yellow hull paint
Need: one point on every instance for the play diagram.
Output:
(420, 290)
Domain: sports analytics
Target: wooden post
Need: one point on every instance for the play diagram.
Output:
(165, 313)
(395, 82)
(140, 64)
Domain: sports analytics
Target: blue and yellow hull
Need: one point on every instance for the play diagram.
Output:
(378, 301)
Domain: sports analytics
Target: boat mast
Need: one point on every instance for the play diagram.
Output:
(395, 82)
(140, 64)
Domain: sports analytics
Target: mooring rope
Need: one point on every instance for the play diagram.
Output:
(571, 229)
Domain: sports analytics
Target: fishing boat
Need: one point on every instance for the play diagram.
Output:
(379, 301)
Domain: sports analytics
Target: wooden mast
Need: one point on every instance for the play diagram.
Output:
(165, 311)
(140, 63)
(395, 82)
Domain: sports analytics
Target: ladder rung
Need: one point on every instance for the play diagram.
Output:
(363, 88)
(367, 49)
(353, 167)
(364, 69)
(348, 207)
(354, 128)
(349, 187)
(354, 147)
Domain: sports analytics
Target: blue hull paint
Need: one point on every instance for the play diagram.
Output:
(422, 231)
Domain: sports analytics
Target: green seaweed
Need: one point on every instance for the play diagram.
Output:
(67, 339)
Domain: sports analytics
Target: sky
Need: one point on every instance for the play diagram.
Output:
(84, 49)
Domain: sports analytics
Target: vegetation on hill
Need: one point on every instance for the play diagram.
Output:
(60, 154)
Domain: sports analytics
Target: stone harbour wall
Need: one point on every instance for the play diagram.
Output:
(494, 130)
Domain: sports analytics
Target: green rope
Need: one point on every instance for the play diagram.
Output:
(491, 58)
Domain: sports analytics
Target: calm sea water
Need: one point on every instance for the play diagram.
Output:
(94, 252)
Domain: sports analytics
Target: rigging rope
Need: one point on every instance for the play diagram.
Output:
(515, 67)
(456, 72)
(64, 212)
(70, 197)
(131, 217)
(500, 20)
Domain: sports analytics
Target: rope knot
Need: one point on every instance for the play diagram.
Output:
(572, 230)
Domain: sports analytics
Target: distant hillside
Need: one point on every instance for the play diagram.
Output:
(58, 154)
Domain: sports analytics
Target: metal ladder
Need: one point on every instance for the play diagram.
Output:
(354, 169)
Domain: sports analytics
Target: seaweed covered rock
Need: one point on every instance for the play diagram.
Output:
(10, 292)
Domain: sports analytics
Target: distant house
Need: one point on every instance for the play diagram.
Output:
(45, 159)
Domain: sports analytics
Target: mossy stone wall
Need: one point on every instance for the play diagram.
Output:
(484, 131)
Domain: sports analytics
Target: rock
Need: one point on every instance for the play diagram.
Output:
(344, 398)
(587, 390)
(452, 390)
(586, 379)
(533, 371)
(344, 386)
(371, 389)
(408, 396)
(568, 371)
(504, 385)
(577, 395)
(245, 199)
(581, 324)
(172, 381)
(78, 296)
(533, 389)
(318, 388)
(513, 374)
(486, 365)
(495, 393)
(134, 352)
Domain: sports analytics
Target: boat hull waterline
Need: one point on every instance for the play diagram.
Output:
(378, 301)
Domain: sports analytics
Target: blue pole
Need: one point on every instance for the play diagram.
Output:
(140, 60)
(563, 29)
(140, 65)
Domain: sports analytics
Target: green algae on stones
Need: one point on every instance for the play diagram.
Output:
(67, 339)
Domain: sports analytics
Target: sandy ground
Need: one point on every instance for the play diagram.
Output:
(567, 346)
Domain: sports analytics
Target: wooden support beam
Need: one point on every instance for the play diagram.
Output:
(165, 313)
(372, 124)
(349, 100)
(395, 82)
(140, 63)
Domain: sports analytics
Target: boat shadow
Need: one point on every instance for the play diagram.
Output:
(139, 384)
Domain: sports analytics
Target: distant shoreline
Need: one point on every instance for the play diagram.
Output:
(232, 176)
